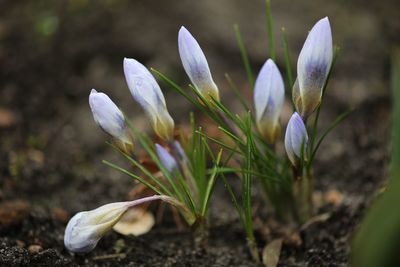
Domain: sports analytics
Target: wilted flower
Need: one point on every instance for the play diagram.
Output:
(313, 66)
(296, 138)
(195, 64)
(167, 160)
(147, 93)
(108, 116)
(269, 93)
(86, 228)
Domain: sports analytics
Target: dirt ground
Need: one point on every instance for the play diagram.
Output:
(51, 55)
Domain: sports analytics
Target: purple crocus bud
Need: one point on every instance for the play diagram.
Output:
(180, 151)
(313, 66)
(269, 93)
(167, 160)
(196, 66)
(85, 229)
(296, 138)
(108, 116)
(146, 91)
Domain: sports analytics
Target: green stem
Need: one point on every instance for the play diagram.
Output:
(200, 232)
(243, 53)
(303, 190)
(269, 29)
(252, 245)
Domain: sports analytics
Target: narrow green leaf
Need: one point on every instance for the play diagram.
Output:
(333, 125)
(210, 185)
(134, 176)
(270, 32)
(245, 58)
(288, 66)
(236, 91)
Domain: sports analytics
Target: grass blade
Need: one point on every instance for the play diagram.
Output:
(243, 53)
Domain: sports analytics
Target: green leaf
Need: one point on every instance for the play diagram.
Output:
(270, 32)
(243, 53)
(288, 66)
(337, 121)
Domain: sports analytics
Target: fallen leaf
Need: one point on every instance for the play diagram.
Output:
(135, 222)
(271, 253)
(316, 219)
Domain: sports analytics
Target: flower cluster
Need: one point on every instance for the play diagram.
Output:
(86, 228)
(185, 180)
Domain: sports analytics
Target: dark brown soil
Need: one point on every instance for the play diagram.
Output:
(51, 151)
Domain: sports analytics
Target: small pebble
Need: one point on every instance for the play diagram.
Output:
(34, 249)
(60, 215)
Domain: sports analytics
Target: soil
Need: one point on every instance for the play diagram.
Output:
(51, 151)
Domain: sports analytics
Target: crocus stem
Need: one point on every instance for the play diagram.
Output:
(252, 245)
(303, 189)
(184, 168)
(200, 232)
(144, 200)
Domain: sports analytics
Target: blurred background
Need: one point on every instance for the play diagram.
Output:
(53, 52)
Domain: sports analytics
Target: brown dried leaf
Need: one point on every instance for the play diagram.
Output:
(135, 222)
(271, 253)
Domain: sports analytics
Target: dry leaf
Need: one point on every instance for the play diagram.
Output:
(271, 253)
(135, 222)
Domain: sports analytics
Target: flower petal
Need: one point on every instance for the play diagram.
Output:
(167, 160)
(108, 116)
(269, 93)
(195, 64)
(85, 229)
(313, 66)
(147, 93)
(295, 138)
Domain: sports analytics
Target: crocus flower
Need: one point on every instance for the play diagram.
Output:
(269, 93)
(313, 66)
(86, 228)
(167, 160)
(195, 64)
(108, 116)
(296, 138)
(147, 93)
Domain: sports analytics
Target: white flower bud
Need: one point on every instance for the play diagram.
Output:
(147, 93)
(86, 228)
(108, 116)
(269, 93)
(296, 138)
(313, 66)
(196, 66)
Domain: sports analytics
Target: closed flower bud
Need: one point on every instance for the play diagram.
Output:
(269, 93)
(167, 160)
(296, 138)
(86, 228)
(180, 151)
(313, 66)
(196, 66)
(108, 116)
(147, 93)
